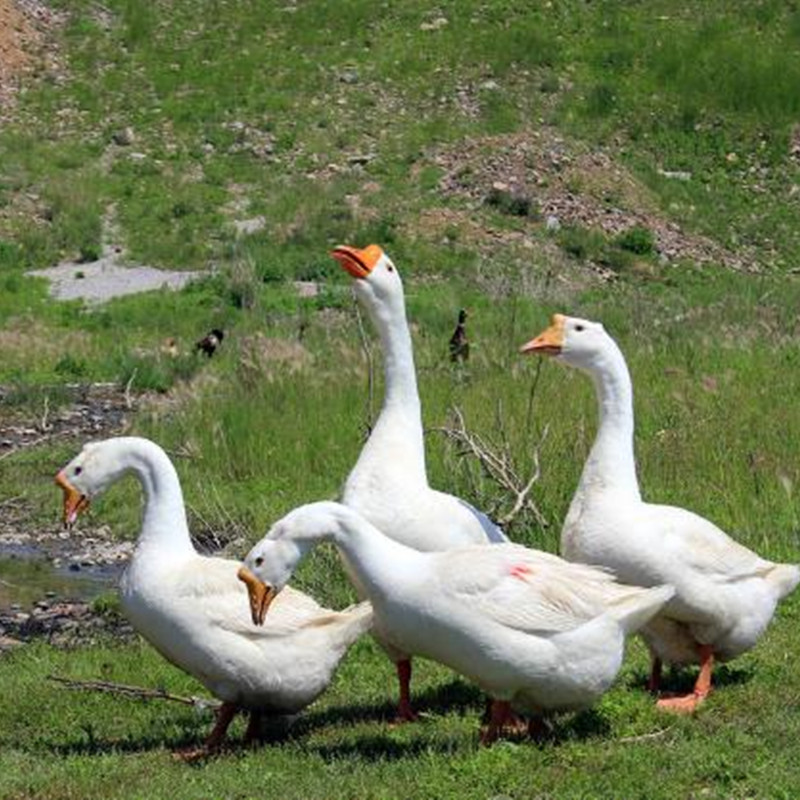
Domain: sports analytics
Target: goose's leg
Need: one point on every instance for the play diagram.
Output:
(702, 687)
(253, 732)
(404, 711)
(654, 682)
(500, 716)
(537, 730)
(225, 714)
(513, 723)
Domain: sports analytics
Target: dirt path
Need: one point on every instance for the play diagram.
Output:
(106, 278)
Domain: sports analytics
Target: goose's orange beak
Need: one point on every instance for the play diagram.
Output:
(359, 263)
(261, 595)
(74, 501)
(550, 341)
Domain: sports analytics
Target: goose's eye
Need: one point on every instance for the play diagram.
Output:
(77, 470)
(259, 561)
(579, 328)
(390, 268)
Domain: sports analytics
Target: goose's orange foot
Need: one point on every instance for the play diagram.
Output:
(191, 755)
(702, 687)
(225, 714)
(502, 721)
(687, 704)
(405, 714)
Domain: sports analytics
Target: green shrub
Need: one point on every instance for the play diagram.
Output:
(639, 240)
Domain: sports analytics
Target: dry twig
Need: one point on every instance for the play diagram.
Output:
(128, 385)
(133, 692)
(645, 736)
(36, 442)
(497, 464)
(44, 426)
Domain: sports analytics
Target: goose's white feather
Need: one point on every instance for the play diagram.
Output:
(526, 626)
(195, 611)
(725, 594)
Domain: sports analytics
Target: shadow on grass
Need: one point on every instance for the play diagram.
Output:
(681, 680)
(385, 747)
(453, 697)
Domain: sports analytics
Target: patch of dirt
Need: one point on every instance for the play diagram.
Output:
(570, 185)
(24, 25)
(60, 623)
(460, 226)
(92, 411)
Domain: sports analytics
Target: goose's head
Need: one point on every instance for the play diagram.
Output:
(377, 281)
(89, 474)
(577, 342)
(269, 566)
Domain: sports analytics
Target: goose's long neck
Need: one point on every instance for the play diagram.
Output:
(376, 559)
(164, 525)
(611, 463)
(402, 396)
(398, 429)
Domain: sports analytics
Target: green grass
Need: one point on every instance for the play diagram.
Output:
(55, 743)
(327, 120)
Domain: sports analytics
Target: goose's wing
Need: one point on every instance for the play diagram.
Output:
(211, 591)
(699, 545)
(494, 533)
(524, 589)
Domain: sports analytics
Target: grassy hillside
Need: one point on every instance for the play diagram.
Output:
(637, 163)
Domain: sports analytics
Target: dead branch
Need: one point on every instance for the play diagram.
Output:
(187, 451)
(133, 692)
(497, 464)
(35, 442)
(44, 426)
(645, 736)
(128, 385)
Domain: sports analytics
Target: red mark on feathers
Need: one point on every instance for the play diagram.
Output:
(520, 571)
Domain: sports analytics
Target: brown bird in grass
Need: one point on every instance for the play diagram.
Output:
(459, 344)
(210, 342)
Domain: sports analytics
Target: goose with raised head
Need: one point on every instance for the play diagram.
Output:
(193, 609)
(725, 594)
(537, 633)
(389, 483)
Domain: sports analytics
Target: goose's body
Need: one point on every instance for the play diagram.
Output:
(534, 631)
(193, 609)
(389, 484)
(725, 594)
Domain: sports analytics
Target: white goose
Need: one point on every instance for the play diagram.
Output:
(192, 608)
(534, 631)
(725, 593)
(389, 483)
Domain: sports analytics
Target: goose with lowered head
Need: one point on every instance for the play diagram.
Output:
(725, 594)
(537, 633)
(389, 483)
(193, 609)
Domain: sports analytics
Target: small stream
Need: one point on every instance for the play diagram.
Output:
(27, 575)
